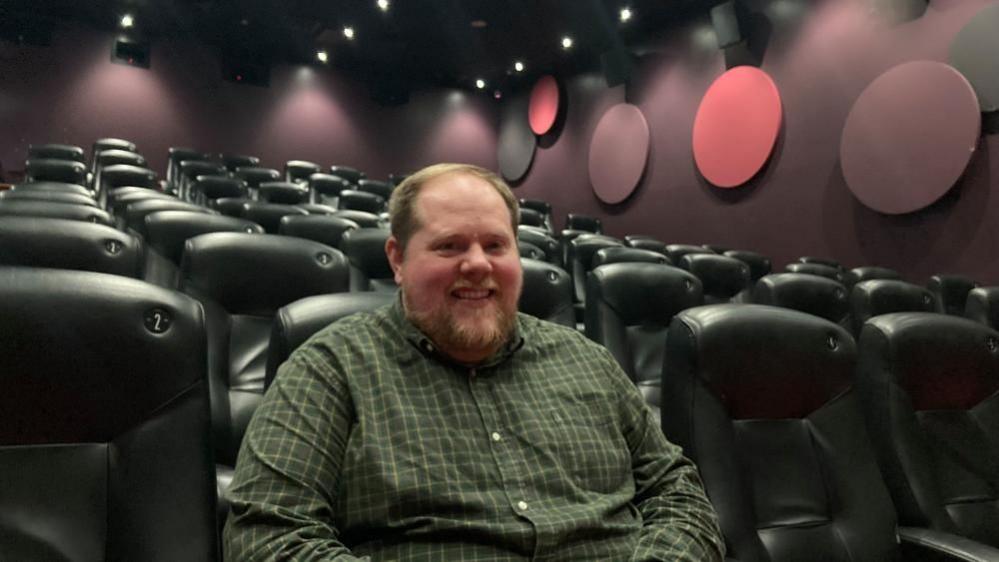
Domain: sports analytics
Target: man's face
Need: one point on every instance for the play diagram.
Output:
(460, 274)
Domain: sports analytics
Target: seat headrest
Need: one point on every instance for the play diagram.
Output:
(286, 192)
(136, 213)
(255, 175)
(69, 244)
(52, 186)
(234, 161)
(759, 265)
(50, 169)
(808, 293)
(54, 210)
(325, 229)
(346, 172)
(583, 247)
(677, 251)
(365, 248)
(543, 207)
(951, 292)
(256, 274)
(194, 168)
(650, 244)
(547, 292)
(363, 218)
(574, 221)
(982, 306)
(942, 362)
(114, 156)
(328, 184)
(361, 201)
(617, 254)
(113, 143)
(868, 272)
(722, 276)
(70, 197)
(298, 321)
(85, 341)
(167, 231)
(761, 362)
(56, 151)
(539, 239)
(530, 217)
(118, 175)
(883, 296)
(181, 153)
(269, 215)
(301, 168)
(380, 188)
(215, 187)
(821, 261)
(643, 293)
(822, 270)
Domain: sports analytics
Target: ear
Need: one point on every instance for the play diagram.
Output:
(394, 252)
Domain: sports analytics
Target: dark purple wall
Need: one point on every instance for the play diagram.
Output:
(821, 56)
(71, 92)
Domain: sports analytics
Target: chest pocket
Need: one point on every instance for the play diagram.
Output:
(587, 443)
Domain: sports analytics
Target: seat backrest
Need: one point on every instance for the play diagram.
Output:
(298, 321)
(822, 270)
(629, 307)
(53, 209)
(352, 175)
(283, 192)
(821, 261)
(256, 175)
(759, 265)
(119, 199)
(135, 213)
(176, 155)
(56, 151)
(269, 215)
(369, 265)
(722, 277)
(119, 175)
(951, 292)
(575, 221)
(813, 294)
(544, 241)
(761, 399)
(675, 252)
(298, 171)
(883, 296)
(930, 384)
(242, 280)
(69, 244)
(105, 446)
(581, 251)
(327, 186)
(53, 186)
(547, 292)
(868, 272)
(325, 229)
(50, 169)
(112, 143)
(114, 156)
(168, 231)
(207, 188)
(982, 306)
(618, 254)
(229, 206)
(360, 201)
(232, 162)
(380, 188)
(191, 170)
(646, 243)
(364, 219)
(49, 195)
(530, 217)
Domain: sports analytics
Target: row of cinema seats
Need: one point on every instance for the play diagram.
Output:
(810, 446)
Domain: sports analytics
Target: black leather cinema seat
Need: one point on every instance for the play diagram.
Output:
(121, 175)
(232, 162)
(298, 321)
(813, 294)
(54, 210)
(628, 309)
(56, 151)
(759, 265)
(298, 171)
(547, 292)
(530, 251)
(230, 206)
(380, 188)
(822, 270)
(209, 188)
(114, 156)
(283, 192)
(542, 207)
(821, 261)
(574, 221)
(190, 171)
(869, 272)
(69, 244)
(105, 446)
(135, 213)
(111, 143)
(619, 254)
(722, 277)
(176, 155)
(541, 240)
(364, 219)
(49, 169)
(253, 176)
(119, 199)
(884, 296)
(352, 175)
(360, 201)
(646, 243)
(327, 187)
(530, 217)
(242, 280)
(369, 265)
(761, 399)
(324, 229)
(930, 385)
(58, 186)
(951, 292)
(269, 215)
(982, 306)
(675, 252)
(48, 195)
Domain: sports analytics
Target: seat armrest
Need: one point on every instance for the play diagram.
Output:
(921, 544)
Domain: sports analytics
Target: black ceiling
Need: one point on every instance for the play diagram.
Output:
(414, 44)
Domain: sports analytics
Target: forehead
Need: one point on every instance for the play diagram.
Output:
(461, 201)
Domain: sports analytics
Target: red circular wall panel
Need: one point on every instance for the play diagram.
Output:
(619, 151)
(909, 136)
(736, 126)
(543, 108)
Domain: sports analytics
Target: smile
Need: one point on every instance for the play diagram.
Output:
(471, 294)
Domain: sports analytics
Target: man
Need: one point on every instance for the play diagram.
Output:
(449, 427)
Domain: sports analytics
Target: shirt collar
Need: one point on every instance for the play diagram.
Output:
(426, 347)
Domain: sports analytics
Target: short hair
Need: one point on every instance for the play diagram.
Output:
(402, 204)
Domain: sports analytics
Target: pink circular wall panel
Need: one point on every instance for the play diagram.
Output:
(619, 151)
(736, 126)
(909, 136)
(543, 109)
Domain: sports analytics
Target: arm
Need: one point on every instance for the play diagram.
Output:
(288, 472)
(679, 522)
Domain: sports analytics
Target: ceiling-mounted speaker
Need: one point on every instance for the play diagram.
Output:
(617, 66)
(729, 21)
(131, 52)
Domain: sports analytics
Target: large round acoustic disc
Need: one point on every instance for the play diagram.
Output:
(736, 126)
(516, 145)
(909, 136)
(543, 109)
(974, 53)
(619, 151)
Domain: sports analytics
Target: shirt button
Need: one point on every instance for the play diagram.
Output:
(496, 436)
(522, 505)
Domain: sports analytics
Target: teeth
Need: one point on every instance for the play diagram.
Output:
(466, 294)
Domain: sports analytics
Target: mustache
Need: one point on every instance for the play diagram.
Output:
(487, 286)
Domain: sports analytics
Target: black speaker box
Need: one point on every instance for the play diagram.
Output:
(729, 21)
(131, 52)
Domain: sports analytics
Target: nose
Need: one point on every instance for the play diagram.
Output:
(476, 262)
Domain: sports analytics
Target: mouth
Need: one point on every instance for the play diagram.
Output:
(468, 294)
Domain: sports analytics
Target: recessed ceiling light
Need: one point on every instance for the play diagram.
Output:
(567, 42)
(625, 14)
(518, 66)
(480, 83)
(348, 32)
(127, 21)
(323, 56)
(498, 94)
(383, 5)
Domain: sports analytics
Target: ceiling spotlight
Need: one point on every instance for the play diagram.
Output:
(127, 21)
(480, 83)
(625, 14)
(348, 32)
(567, 42)
(518, 66)
(323, 56)
(383, 5)
(498, 94)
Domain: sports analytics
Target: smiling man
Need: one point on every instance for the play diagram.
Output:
(448, 427)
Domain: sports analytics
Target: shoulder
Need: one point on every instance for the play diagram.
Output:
(363, 334)
(549, 339)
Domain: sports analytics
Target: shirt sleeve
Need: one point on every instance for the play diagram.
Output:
(287, 474)
(679, 523)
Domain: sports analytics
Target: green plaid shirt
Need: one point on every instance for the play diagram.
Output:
(369, 445)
